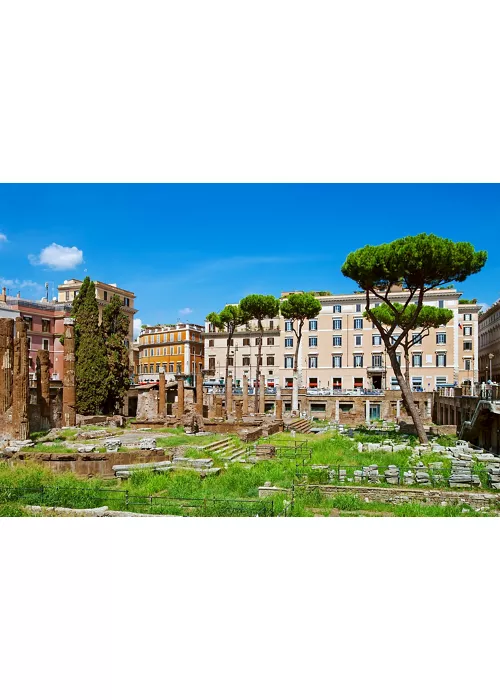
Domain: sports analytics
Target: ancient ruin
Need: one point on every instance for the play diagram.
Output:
(20, 378)
(69, 384)
(43, 388)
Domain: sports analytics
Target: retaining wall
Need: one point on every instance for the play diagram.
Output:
(91, 464)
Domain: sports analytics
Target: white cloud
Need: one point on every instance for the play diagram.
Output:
(137, 327)
(484, 306)
(58, 257)
(186, 311)
(3, 238)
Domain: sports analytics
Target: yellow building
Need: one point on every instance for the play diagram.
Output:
(170, 348)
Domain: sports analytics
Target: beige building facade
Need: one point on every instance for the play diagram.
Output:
(489, 344)
(67, 291)
(341, 351)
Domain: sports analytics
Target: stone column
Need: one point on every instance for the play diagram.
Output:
(262, 393)
(367, 411)
(279, 409)
(229, 394)
(6, 362)
(337, 410)
(199, 392)
(180, 397)
(218, 406)
(238, 405)
(245, 395)
(43, 387)
(69, 380)
(398, 408)
(21, 383)
(161, 395)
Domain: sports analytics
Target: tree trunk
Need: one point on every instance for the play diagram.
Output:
(408, 398)
(258, 387)
(226, 378)
(295, 387)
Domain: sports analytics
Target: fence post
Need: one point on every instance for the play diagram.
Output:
(272, 508)
(126, 499)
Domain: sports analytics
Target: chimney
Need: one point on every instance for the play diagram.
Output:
(3, 295)
(19, 295)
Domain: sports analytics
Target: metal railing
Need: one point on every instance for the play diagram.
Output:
(124, 500)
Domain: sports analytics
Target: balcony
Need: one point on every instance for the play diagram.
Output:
(376, 369)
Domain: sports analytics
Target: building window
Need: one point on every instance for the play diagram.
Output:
(179, 367)
(467, 344)
(467, 365)
(313, 384)
(271, 326)
(157, 367)
(376, 360)
(171, 365)
(151, 369)
(230, 361)
(258, 341)
(127, 301)
(211, 328)
(337, 309)
(441, 338)
(416, 360)
(313, 341)
(288, 362)
(467, 317)
(45, 344)
(45, 325)
(358, 382)
(358, 324)
(246, 361)
(398, 358)
(337, 361)
(441, 359)
(358, 340)
(416, 338)
(246, 341)
(270, 360)
(260, 361)
(211, 364)
(337, 324)
(288, 385)
(337, 340)
(376, 340)
(288, 326)
(358, 360)
(358, 308)
(28, 322)
(441, 304)
(416, 383)
(440, 381)
(179, 337)
(66, 296)
(270, 341)
(288, 342)
(313, 362)
(313, 325)
(394, 383)
(337, 383)
(105, 296)
(467, 330)
(211, 343)
(394, 338)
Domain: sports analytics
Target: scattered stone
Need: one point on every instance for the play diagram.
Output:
(112, 444)
(147, 444)
(86, 448)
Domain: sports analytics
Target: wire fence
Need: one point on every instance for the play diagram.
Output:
(124, 500)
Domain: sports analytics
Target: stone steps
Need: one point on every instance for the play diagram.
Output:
(302, 425)
(226, 449)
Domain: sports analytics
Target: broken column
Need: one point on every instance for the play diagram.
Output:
(238, 406)
(262, 394)
(69, 383)
(245, 395)
(6, 363)
(218, 406)
(279, 409)
(21, 383)
(199, 392)
(180, 396)
(229, 393)
(161, 395)
(43, 387)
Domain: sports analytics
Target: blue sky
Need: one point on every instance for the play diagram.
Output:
(186, 250)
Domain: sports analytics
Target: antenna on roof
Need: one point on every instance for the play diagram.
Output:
(46, 291)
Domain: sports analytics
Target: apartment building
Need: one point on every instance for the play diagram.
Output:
(104, 292)
(343, 351)
(244, 351)
(45, 324)
(489, 344)
(175, 348)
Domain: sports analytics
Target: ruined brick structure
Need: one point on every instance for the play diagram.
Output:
(6, 363)
(69, 384)
(161, 395)
(20, 393)
(43, 388)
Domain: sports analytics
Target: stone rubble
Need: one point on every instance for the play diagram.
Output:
(147, 444)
